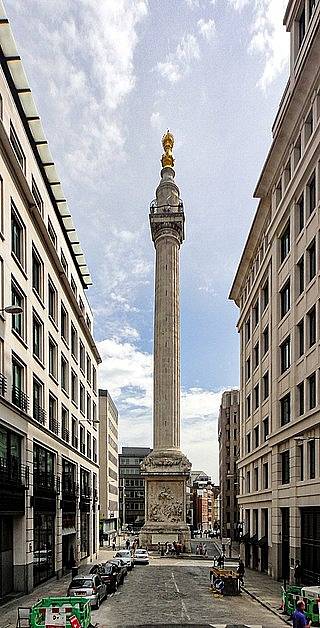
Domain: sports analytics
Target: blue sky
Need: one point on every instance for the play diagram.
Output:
(109, 77)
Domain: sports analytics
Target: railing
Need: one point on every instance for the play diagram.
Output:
(44, 480)
(75, 442)
(39, 414)
(3, 385)
(155, 208)
(13, 473)
(65, 434)
(20, 399)
(53, 425)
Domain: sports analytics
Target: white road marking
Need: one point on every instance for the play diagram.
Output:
(184, 608)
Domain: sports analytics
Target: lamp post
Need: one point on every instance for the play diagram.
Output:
(12, 309)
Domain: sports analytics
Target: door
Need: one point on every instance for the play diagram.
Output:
(6, 555)
(285, 549)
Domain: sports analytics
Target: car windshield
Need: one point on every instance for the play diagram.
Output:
(123, 553)
(81, 582)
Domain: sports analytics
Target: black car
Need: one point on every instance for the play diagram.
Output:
(121, 565)
(111, 575)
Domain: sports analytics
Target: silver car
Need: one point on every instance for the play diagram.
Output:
(141, 557)
(88, 586)
(126, 556)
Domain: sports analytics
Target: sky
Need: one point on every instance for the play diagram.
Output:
(109, 77)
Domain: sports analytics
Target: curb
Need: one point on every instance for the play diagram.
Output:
(267, 606)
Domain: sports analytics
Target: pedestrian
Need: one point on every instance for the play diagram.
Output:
(113, 545)
(299, 617)
(204, 550)
(241, 571)
(297, 572)
(159, 548)
(200, 549)
(127, 544)
(197, 550)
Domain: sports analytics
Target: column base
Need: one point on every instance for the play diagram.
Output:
(151, 535)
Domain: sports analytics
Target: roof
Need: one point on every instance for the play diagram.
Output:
(21, 92)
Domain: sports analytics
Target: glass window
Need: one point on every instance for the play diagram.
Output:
(256, 313)
(37, 327)
(300, 388)
(300, 213)
(38, 412)
(64, 263)
(312, 459)
(265, 475)
(312, 265)
(312, 391)
(248, 443)
(300, 275)
(247, 330)
(311, 323)
(82, 398)
(265, 294)
(300, 328)
(52, 233)
(94, 379)
(256, 353)
(285, 243)
(248, 368)
(73, 286)
(88, 407)
(53, 358)
(82, 356)
(37, 196)
(17, 236)
(248, 408)
(52, 301)
(64, 374)
(265, 428)
(256, 396)
(53, 414)
(256, 436)
(88, 369)
(311, 194)
(285, 355)
(74, 387)
(285, 409)
(301, 459)
(266, 386)
(301, 27)
(17, 320)
(285, 299)
(64, 323)
(266, 340)
(37, 273)
(17, 148)
(285, 467)
(74, 342)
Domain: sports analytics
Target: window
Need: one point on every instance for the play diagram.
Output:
(64, 324)
(311, 326)
(248, 408)
(73, 286)
(311, 251)
(74, 342)
(38, 411)
(285, 243)
(285, 299)
(285, 409)
(65, 424)
(18, 320)
(88, 444)
(17, 148)
(312, 459)
(37, 196)
(300, 213)
(74, 428)
(82, 356)
(53, 414)
(301, 460)
(37, 337)
(256, 397)
(312, 391)
(247, 330)
(300, 389)
(37, 273)
(88, 407)
(265, 428)
(88, 369)
(248, 443)
(88, 322)
(256, 436)
(64, 374)
(248, 369)
(300, 328)
(82, 442)
(285, 355)
(94, 412)
(82, 399)
(265, 294)
(19, 398)
(301, 27)
(81, 305)
(308, 127)
(285, 468)
(265, 381)
(311, 194)
(74, 387)
(297, 151)
(256, 355)
(265, 339)
(52, 302)
(17, 236)
(52, 233)
(94, 379)
(278, 192)
(265, 475)
(248, 482)
(94, 449)
(256, 313)
(53, 358)
(64, 263)
(300, 275)
(312, 4)
(255, 479)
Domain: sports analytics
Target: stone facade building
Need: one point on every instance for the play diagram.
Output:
(204, 503)
(276, 288)
(109, 479)
(228, 435)
(132, 487)
(49, 441)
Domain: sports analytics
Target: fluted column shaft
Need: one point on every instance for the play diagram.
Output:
(166, 415)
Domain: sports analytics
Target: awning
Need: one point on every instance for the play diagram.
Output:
(254, 540)
(263, 541)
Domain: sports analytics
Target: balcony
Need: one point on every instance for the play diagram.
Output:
(20, 399)
(53, 425)
(3, 385)
(14, 481)
(65, 434)
(39, 414)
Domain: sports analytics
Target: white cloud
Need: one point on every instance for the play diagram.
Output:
(127, 372)
(207, 28)
(269, 39)
(156, 120)
(178, 63)
(193, 4)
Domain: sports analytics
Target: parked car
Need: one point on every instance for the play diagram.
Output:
(89, 586)
(110, 574)
(121, 565)
(127, 558)
(141, 557)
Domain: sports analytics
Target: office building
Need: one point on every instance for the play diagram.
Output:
(109, 484)
(132, 487)
(228, 435)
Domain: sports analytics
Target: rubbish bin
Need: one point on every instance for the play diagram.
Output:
(74, 571)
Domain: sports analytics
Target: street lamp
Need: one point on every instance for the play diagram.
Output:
(12, 309)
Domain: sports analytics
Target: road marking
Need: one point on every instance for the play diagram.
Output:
(184, 608)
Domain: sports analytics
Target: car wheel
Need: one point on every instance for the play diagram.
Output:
(98, 602)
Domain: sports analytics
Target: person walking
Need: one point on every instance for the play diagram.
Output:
(297, 573)
(197, 550)
(128, 544)
(204, 550)
(299, 618)
(241, 571)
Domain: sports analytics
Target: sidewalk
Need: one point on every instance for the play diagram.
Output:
(266, 591)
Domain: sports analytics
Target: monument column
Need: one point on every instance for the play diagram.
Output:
(166, 469)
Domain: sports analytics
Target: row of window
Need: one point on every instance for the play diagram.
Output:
(304, 16)
(258, 438)
(253, 482)
(306, 399)
(260, 304)
(260, 394)
(307, 468)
